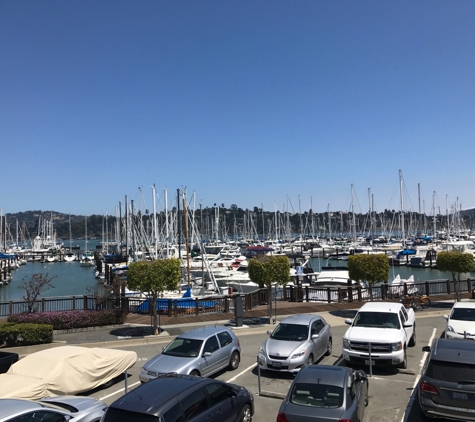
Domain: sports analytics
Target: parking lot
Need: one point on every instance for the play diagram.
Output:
(391, 392)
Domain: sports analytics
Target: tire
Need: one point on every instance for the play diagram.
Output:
(329, 347)
(310, 360)
(234, 361)
(245, 414)
(403, 364)
(194, 373)
(412, 341)
(425, 303)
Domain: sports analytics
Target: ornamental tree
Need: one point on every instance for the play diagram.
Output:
(152, 278)
(369, 268)
(37, 284)
(268, 269)
(455, 263)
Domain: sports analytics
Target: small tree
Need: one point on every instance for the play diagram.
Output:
(369, 268)
(266, 270)
(37, 284)
(455, 263)
(152, 278)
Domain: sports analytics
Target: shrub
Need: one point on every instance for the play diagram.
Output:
(68, 320)
(13, 335)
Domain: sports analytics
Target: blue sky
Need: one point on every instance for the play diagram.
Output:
(276, 103)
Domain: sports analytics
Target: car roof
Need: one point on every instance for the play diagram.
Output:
(464, 305)
(381, 307)
(10, 407)
(203, 333)
(299, 319)
(324, 374)
(454, 350)
(150, 397)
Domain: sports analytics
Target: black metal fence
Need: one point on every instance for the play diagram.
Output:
(192, 306)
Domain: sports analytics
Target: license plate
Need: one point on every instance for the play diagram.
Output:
(366, 362)
(276, 364)
(460, 396)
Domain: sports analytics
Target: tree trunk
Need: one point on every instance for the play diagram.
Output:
(457, 288)
(155, 315)
(269, 303)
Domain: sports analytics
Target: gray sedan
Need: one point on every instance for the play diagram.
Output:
(298, 340)
(52, 409)
(322, 393)
(201, 352)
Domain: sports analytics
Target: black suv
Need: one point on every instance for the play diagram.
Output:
(183, 398)
(447, 384)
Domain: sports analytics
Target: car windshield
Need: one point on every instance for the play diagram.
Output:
(376, 320)
(183, 347)
(317, 395)
(451, 371)
(463, 314)
(290, 332)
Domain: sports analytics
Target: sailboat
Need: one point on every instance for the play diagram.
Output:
(87, 259)
(70, 256)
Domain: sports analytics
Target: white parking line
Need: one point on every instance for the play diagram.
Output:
(121, 391)
(414, 391)
(243, 372)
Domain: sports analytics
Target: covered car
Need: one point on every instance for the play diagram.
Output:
(64, 370)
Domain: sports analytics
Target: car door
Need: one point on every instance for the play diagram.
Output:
(226, 345)
(210, 356)
(221, 404)
(320, 343)
(404, 318)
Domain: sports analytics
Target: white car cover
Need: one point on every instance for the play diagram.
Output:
(64, 370)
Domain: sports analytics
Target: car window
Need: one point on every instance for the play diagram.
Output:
(217, 392)
(463, 314)
(225, 338)
(174, 414)
(403, 310)
(316, 395)
(194, 404)
(211, 345)
(183, 347)
(402, 317)
(290, 332)
(451, 371)
(40, 416)
(351, 385)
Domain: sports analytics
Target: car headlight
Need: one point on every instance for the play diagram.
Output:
(346, 343)
(449, 329)
(298, 354)
(396, 346)
(262, 351)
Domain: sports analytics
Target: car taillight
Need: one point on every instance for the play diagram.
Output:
(281, 417)
(428, 388)
(344, 420)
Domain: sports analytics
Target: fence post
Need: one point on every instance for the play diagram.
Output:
(383, 291)
(74, 303)
(329, 298)
(427, 288)
(339, 294)
(197, 309)
(43, 305)
(469, 286)
(226, 304)
(85, 303)
(358, 289)
(169, 308)
(448, 287)
(10, 308)
(306, 294)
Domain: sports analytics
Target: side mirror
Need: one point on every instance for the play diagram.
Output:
(233, 394)
(268, 332)
(315, 336)
(206, 354)
(426, 349)
(348, 321)
(446, 317)
(163, 348)
(407, 324)
(361, 376)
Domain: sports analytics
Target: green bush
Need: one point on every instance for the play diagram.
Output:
(13, 335)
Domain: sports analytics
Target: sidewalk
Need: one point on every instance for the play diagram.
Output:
(137, 329)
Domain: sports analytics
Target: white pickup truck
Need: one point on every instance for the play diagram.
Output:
(385, 329)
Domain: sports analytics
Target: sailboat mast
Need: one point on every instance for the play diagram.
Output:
(403, 234)
(185, 220)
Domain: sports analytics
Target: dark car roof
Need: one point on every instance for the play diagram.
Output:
(330, 375)
(454, 350)
(155, 393)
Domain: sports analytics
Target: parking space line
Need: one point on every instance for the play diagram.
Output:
(121, 391)
(242, 372)
(405, 416)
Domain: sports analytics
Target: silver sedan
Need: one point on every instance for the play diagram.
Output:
(297, 341)
(52, 409)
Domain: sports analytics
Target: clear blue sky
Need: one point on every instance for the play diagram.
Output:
(279, 103)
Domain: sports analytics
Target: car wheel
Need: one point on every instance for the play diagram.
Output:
(194, 373)
(412, 341)
(245, 414)
(310, 360)
(329, 347)
(234, 361)
(403, 364)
